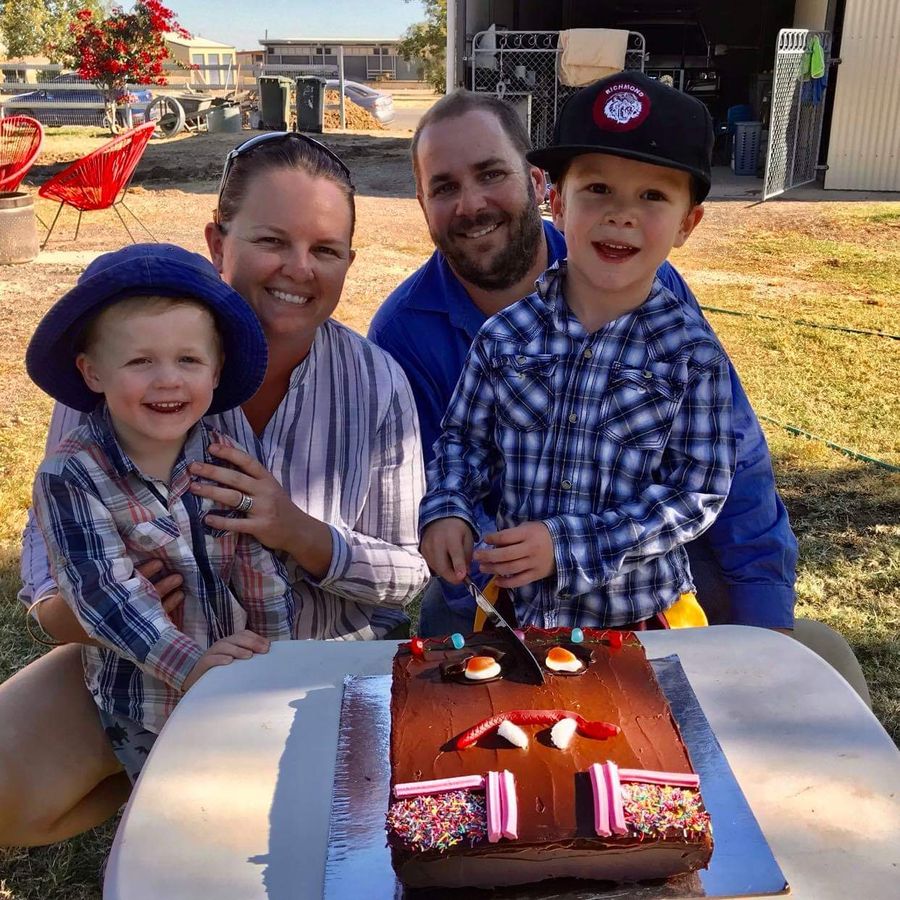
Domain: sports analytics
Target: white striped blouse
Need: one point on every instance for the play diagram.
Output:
(344, 443)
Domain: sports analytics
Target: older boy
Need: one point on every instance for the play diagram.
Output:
(148, 341)
(603, 404)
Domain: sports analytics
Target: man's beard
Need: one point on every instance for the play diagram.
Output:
(508, 266)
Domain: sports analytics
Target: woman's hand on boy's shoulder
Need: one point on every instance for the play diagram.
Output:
(520, 555)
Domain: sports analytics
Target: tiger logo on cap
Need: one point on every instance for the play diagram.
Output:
(621, 107)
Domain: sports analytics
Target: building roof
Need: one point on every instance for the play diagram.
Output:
(328, 40)
(195, 41)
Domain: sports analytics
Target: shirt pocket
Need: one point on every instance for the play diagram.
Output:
(523, 390)
(148, 537)
(638, 405)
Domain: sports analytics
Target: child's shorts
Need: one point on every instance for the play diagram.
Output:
(131, 742)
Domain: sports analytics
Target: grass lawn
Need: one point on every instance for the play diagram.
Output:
(826, 263)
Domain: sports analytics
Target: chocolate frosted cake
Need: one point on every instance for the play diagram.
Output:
(496, 780)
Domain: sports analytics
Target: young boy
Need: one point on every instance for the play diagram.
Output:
(148, 341)
(601, 403)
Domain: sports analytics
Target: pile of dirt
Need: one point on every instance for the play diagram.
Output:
(354, 115)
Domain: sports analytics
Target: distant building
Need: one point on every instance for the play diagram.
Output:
(364, 59)
(214, 63)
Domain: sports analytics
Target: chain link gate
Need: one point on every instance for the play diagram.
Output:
(522, 69)
(795, 124)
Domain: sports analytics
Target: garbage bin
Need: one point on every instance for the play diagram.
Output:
(310, 103)
(745, 152)
(274, 102)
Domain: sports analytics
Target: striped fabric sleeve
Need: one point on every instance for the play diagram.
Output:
(378, 562)
(590, 550)
(262, 588)
(34, 566)
(115, 605)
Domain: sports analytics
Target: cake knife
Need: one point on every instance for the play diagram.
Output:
(532, 666)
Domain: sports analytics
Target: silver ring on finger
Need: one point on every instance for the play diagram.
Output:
(245, 504)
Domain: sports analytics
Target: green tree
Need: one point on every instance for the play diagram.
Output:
(41, 27)
(427, 42)
(22, 24)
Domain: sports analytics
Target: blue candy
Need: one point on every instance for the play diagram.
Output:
(457, 640)
(577, 636)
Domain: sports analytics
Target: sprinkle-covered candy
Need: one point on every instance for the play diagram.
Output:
(438, 821)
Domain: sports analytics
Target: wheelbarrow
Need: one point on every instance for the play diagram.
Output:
(174, 113)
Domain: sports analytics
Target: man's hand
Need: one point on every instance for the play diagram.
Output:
(447, 548)
(521, 555)
(240, 645)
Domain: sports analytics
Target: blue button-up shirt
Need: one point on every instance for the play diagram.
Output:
(428, 323)
(620, 441)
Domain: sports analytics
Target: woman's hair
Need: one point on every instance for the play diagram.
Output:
(292, 152)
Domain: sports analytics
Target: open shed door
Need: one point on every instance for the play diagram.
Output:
(798, 107)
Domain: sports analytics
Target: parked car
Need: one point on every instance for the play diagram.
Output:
(677, 47)
(379, 103)
(37, 103)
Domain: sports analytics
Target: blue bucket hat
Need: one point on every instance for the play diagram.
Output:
(158, 270)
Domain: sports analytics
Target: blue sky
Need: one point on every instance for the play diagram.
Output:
(243, 23)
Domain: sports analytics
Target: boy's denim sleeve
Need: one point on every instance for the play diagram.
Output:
(751, 540)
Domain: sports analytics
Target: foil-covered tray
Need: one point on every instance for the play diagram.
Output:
(358, 863)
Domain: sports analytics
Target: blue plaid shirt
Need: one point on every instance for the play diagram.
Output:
(619, 441)
(101, 516)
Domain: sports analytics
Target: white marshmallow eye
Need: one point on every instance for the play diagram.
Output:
(481, 668)
(561, 660)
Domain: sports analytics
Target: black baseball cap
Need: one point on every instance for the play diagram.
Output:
(632, 115)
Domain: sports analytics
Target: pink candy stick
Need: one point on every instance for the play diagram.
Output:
(439, 786)
(510, 824)
(676, 779)
(494, 807)
(601, 802)
(614, 795)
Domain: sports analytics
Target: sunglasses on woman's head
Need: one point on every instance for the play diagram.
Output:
(269, 137)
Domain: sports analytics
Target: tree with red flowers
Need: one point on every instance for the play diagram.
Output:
(123, 48)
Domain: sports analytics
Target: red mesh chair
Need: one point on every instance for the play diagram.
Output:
(20, 142)
(100, 180)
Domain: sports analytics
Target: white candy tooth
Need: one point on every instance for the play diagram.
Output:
(562, 732)
(512, 733)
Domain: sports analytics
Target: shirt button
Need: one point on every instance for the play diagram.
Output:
(566, 485)
(647, 373)
(573, 417)
(588, 353)
(520, 360)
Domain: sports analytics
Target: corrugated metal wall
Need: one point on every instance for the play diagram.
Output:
(864, 148)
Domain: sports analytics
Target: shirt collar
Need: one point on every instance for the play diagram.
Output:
(196, 445)
(439, 290)
(550, 288)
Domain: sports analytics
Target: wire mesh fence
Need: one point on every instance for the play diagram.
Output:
(798, 108)
(522, 69)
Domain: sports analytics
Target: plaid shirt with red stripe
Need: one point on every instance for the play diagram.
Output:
(100, 516)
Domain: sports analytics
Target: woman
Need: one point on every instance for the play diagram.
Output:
(334, 484)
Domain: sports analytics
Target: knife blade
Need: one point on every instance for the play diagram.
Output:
(532, 666)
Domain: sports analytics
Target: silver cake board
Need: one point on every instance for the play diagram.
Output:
(358, 863)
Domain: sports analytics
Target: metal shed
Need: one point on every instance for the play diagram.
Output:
(844, 128)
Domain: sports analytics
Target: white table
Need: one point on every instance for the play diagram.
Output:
(234, 801)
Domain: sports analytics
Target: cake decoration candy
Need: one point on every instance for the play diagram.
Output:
(559, 659)
(457, 640)
(512, 733)
(577, 636)
(597, 730)
(481, 668)
(562, 732)
(438, 814)
(417, 647)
